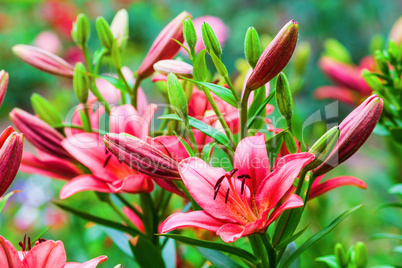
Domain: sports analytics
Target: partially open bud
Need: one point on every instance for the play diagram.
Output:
(252, 47)
(177, 96)
(104, 33)
(81, 82)
(177, 67)
(323, 147)
(3, 85)
(10, 157)
(340, 256)
(190, 34)
(39, 133)
(211, 42)
(360, 257)
(45, 110)
(119, 27)
(81, 30)
(355, 130)
(164, 47)
(275, 57)
(141, 156)
(44, 61)
(284, 99)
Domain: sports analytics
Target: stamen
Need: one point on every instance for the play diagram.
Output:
(217, 190)
(227, 196)
(243, 182)
(106, 151)
(22, 246)
(242, 186)
(219, 181)
(107, 160)
(29, 243)
(233, 172)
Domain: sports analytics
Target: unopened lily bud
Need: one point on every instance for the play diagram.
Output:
(373, 81)
(190, 36)
(3, 85)
(104, 33)
(44, 60)
(10, 157)
(220, 67)
(164, 47)
(211, 42)
(355, 130)
(81, 82)
(81, 30)
(340, 256)
(115, 55)
(360, 257)
(177, 96)
(252, 47)
(275, 57)
(284, 99)
(45, 110)
(177, 67)
(141, 156)
(119, 27)
(381, 62)
(39, 133)
(323, 147)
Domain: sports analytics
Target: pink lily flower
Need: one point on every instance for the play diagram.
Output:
(45, 254)
(3, 85)
(10, 157)
(241, 202)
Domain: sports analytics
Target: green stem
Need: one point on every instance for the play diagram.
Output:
(134, 92)
(87, 58)
(243, 114)
(121, 77)
(128, 204)
(191, 137)
(86, 111)
(126, 220)
(258, 250)
(150, 217)
(271, 251)
(62, 126)
(231, 87)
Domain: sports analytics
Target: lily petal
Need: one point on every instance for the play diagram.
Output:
(88, 264)
(136, 183)
(293, 202)
(48, 254)
(83, 183)
(8, 255)
(331, 184)
(338, 93)
(199, 219)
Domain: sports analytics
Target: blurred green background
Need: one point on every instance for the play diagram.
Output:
(352, 22)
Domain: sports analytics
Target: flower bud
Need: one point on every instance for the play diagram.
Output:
(284, 99)
(211, 42)
(323, 147)
(44, 61)
(190, 36)
(177, 67)
(340, 256)
(81, 30)
(104, 33)
(177, 97)
(373, 81)
(252, 47)
(39, 133)
(360, 257)
(220, 67)
(141, 156)
(275, 57)
(164, 47)
(45, 110)
(355, 130)
(3, 85)
(119, 27)
(81, 82)
(381, 62)
(10, 157)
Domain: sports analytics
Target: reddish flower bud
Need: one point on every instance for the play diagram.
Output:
(39, 133)
(44, 60)
(355, 130)
(3, 85)
(164, 47)
(275, 57)
(179, 68)
(10, 157)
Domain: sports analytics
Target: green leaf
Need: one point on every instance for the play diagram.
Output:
(114, 81)
(386, 236)
(273, 146)
(3, 200)
(85, 215)
(329, 260)
(203, 127)
(145, 253)
(200, 71)
(396, 189)
(222, 92)
(319, 235)
(185, 144)
(290, 142)
(120, 240)
(258, 112)
(259, 99)
(207, 150)
(290, 239)
(243, 254)
(397, 134)
(217, 258)
(40, 235)
(388, 205)
(292, 247)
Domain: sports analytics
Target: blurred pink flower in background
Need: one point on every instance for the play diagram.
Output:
(49, 41)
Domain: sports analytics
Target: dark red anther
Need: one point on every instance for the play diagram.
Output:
(29, 243)
(107, 160)
(227, 195)
(233, 172)
(218, 182)
(106, 151)
(243, 182)
(217, 190)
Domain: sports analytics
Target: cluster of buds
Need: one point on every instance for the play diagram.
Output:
(356, 256)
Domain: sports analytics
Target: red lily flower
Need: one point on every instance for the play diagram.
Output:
(241, 202)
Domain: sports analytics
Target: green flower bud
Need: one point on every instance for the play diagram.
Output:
(373, 81)
(177, 96)
(284, 99)
(301, 57)
(104, 33)
(290, 142)
(361, 258)
(115, 54)
(81, 82)
(81, 30)
(252, 47)
(45, 110)
(323, 147)
(340, 256)
(189, 34)
(211, 42)
(381, 62)
(220, 67)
